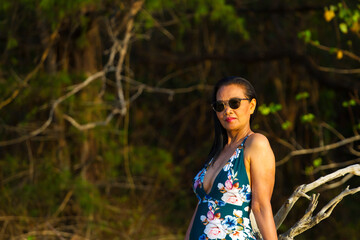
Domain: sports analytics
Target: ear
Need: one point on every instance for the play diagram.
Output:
(252, 105)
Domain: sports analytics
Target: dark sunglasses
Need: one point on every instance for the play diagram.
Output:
(233, 103)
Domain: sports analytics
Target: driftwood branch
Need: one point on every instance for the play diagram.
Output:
(307, 221)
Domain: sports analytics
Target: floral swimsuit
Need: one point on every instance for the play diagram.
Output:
(223, 213)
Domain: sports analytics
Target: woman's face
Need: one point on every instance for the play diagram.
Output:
(234, 119)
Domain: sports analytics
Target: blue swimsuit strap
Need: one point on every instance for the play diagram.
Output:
(243, 142)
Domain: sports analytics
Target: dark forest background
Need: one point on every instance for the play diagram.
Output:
(105, 113)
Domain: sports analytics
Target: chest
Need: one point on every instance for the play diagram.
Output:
(216, 167)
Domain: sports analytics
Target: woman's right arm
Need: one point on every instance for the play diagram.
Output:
(187, 236)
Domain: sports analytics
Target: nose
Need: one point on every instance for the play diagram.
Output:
(227, 108)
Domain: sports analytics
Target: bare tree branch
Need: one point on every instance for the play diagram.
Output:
(92, 124)
(336, 165)
(303, 189)
(140, 89)
(340, 136)
(135, 8)
(33, 72)
(328, 49)
(308, 221)
(64, 203)
(158, 25)
(318, 149)
(340, 71)
(52, 110)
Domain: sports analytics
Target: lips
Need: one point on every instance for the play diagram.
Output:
(229, 119)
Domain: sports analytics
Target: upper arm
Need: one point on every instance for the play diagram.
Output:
(262, 168)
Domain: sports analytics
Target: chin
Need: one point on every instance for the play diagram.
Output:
(230, 126)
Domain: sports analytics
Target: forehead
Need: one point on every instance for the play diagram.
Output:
(230, 91)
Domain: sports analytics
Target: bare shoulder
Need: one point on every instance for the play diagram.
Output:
(258, 149)
(257, 141)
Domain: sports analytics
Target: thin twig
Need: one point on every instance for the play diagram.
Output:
(33, 72)
(52, 110)
(318, 149)
(328, 49)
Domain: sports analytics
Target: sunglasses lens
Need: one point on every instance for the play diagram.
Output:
(218, 106)
(234, 103)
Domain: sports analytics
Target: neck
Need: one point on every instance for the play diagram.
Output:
(235, 137)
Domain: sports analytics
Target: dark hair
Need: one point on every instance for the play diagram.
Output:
(221, 138)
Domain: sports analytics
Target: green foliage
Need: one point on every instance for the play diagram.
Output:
(307, 118)
(217, 11)
(87, 195)
(271, 108)
(343, 27)
(5, 5)
(12, 43)
(302, 95)
(309, 170)
(349, 17)
(41, 196)
(286, 125)
(112, 157)
(305, 35)
(154, 163)
(10, 164)
(317, 162)
(349, 103)
(160, 5)
(55, 11)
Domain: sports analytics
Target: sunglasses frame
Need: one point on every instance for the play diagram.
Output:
(213, 105)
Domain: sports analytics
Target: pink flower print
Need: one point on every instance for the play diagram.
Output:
(197, 183)
(232, 199)
(214, 230)
(228, 184)
(210, 215)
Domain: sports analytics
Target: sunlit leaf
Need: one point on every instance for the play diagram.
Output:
(343, 27)
(329, 15)
(264, 110)
(305, 35)
(339, 54)
(302, 95)
(307, 118)
(286, 125)
(317, 162)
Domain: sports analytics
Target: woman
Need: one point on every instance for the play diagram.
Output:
(240, 171)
